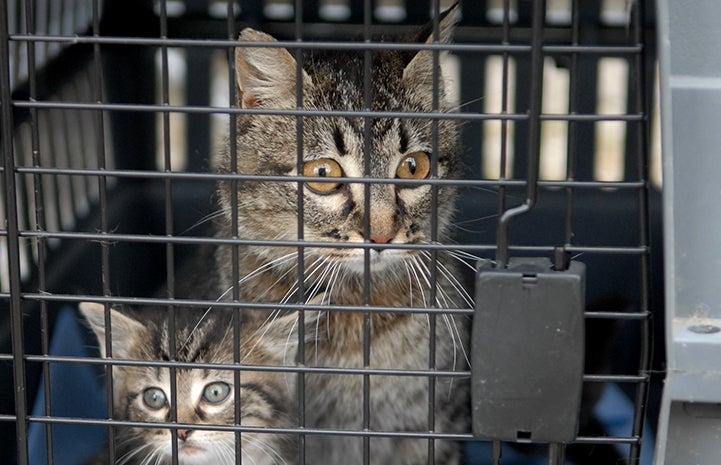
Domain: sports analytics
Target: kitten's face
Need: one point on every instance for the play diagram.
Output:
(204, 397)
(337, 149)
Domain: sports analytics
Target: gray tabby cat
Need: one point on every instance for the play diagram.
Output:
(205, 396)
(334, 211)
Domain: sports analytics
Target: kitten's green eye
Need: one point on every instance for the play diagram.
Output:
(324, 168)
(217, 392)
(155, 398)
(416, 165)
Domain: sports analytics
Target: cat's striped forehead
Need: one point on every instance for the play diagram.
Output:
(196, 338)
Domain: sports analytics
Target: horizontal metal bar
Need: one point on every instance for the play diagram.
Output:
(139, 301)
(615, 378)
(154, 301)
(181, 175)
(151, 239)
(618, 315)
(332, 45)
(291, 45)
(250, 429)
(607, 440)
(304, 430)
(249, 368)
(115, 237)
(204, 109)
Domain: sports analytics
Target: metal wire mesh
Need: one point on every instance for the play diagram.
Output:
(101, 195)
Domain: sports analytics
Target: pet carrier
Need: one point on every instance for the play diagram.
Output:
(112, 112)
(689, 421)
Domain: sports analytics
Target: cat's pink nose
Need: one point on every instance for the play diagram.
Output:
(184, 433)
(382, 238)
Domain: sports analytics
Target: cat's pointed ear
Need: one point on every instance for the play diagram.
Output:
(266, 76)
(419, 70)
(125, 330)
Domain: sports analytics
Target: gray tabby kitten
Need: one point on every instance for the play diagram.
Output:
(204, 396)
(334, 212)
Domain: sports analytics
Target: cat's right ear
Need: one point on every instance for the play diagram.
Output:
(125, 330)
(266, 76)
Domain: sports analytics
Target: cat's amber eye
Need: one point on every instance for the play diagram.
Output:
(155, 398)
(323, 168)
(416, 165)
(217, 392)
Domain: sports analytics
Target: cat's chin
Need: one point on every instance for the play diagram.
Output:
(193, 454)
(379, 261)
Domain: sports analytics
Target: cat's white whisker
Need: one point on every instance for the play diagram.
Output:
(260, 332)
(267, 447)
(464, 259)
(131, 453)
(269, 265)
(410, 283)
(450, 322)
(453, 281)
(414, 268)
(209, 217)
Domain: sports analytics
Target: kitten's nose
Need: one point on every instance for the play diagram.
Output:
(382, 238)
(184, 433)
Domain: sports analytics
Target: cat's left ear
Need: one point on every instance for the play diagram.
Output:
(126, 331)
(419, 71)
(266, 75)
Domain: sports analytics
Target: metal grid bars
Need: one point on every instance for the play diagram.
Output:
(115, 115)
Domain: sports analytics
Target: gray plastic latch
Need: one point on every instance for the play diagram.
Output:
(527, 351)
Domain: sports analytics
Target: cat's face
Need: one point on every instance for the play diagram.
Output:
(204, 397)
(342, 150)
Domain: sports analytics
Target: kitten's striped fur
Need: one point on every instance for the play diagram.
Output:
(204, 396)
(336, 212)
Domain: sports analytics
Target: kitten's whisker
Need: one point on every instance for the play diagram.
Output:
(453, 281)
(415, 269)
(267, 447)
(125, 458)
(318, 283)
(268, 265)
(468, 102)
(262, 331)
(209, 217)
(441, 299)
(276, 282)
(410, 282)
(464, 260)
(327, 297)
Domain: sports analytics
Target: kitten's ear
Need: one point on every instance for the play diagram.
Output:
(266, 76)
(419, 70)
(125, 330)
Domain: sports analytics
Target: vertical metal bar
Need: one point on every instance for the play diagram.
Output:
(534, 134)
(572, 135)
(300, 356)
(556, 454)
(168, 209)
(642, 134)
(167, 162)
(235, 270)
(496, 452)
(503, 173)
(367, 318)
(435, 9)
(97, 86)
(39, 223)
(16, 313)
